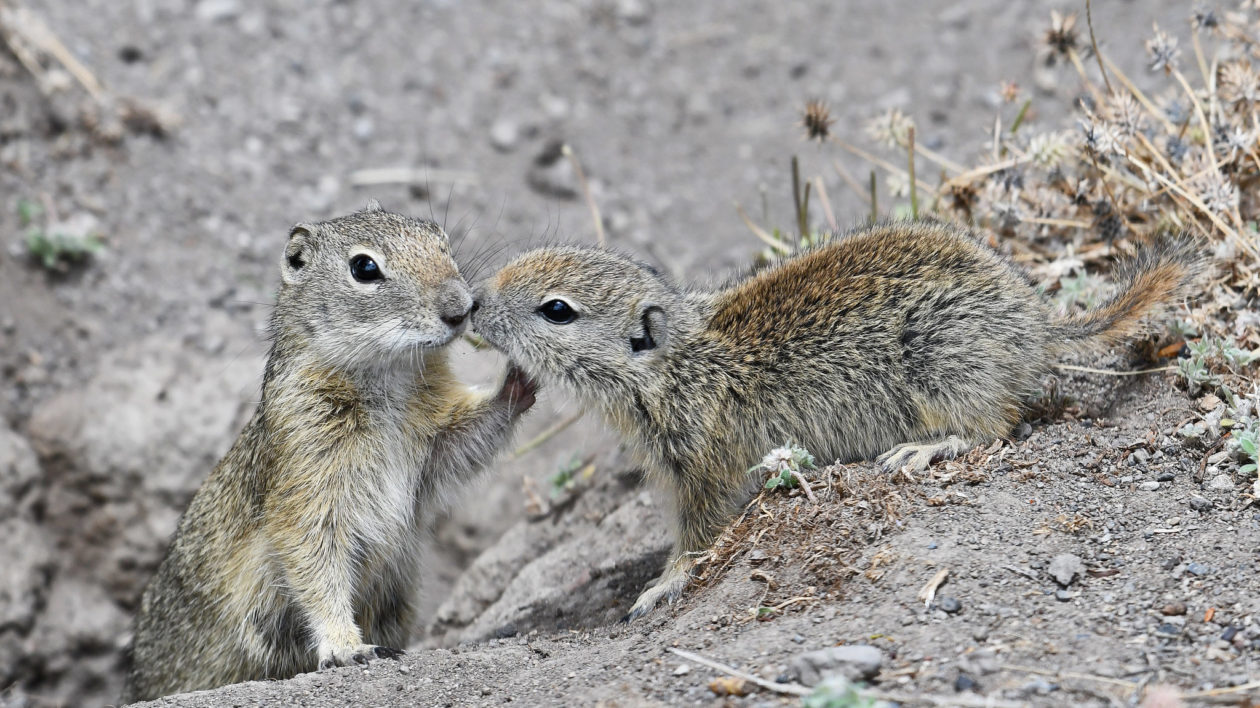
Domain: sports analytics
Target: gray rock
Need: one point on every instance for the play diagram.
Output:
(19, 472)
(1199, 503)
(1149, 486)
(217, 10)
(1066, 568)
(949, 604)
(26, 557)
(552, 173)
(1197, 569)
(1220, 483)
(854, 662)
(504, 134)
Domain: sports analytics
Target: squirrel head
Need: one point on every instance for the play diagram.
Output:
(585, 317)
(371, 287)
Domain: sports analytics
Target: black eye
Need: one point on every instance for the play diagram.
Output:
(557, 312)
(364, 269)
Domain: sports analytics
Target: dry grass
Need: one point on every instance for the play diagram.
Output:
(1064, 200)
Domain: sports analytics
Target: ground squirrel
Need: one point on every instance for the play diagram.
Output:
(906, 339)
(302, 548)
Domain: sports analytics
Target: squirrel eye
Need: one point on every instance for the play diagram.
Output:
(364, 269)
(557, 312)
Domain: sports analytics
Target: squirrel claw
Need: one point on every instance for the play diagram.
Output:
(388, 653)
(915, 457)
(327, 664)
(667, 588)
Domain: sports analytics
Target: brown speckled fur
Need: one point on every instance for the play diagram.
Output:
(910, 340)
(302, 548)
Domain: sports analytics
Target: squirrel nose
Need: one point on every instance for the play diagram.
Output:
(455, 319)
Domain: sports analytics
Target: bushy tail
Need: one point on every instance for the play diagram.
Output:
(1163, 270)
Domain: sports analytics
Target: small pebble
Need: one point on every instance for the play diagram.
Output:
(1221, 483)
(503, 135)
(1149, 486)
(1165, 477)
(1167, 628)
(1197, 569)
(1199, 503)
(1063, 595)
(965, 683)
(682, 670)
(1229, 633)
(1173, 608)
(949, 604)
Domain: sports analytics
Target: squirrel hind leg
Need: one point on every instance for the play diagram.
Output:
(915, 457)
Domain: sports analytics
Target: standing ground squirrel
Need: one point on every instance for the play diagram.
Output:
(906, 339)
(302, 548)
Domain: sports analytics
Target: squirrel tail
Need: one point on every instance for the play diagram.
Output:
(1163, 270)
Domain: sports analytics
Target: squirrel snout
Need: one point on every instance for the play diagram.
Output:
(455, 304)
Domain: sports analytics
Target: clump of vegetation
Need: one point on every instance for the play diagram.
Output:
(567, 477)
(53, 248)
(784, 464)
(838, 692)
(1064, 200)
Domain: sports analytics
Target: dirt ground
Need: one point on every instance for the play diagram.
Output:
(126, 379)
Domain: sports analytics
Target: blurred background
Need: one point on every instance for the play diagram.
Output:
(173, 142)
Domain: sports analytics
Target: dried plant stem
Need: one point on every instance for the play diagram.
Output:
(851, 181)
(1203, 121)
(586, 192)
(1080, 70)
(826, 204)
(761, 233)
(1046, 221)
(546, 435)
(809, 492)
(914, 192)
(938, 159)
(972, 175)
(19, 26)
(1137, 93)
(874, 199)
(1093, 42)
(1198, 55)
(1108, 372)
(792, 689)
(879, 162)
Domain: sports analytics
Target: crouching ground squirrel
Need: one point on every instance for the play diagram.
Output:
(302, 548)
(906, 339)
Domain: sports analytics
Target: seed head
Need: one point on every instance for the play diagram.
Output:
(1048, 150)
(892, 128)
(1238, 84)
(1204, 17)
(1163, 51)
(817, 121)
(1061, 38)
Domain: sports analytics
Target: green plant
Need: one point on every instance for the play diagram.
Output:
(1084, 288)
(784, 465)
(566, 477)
(838, 692)
(54, 250)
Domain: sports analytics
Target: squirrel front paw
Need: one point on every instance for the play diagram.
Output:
(518, 390)
(355, 656)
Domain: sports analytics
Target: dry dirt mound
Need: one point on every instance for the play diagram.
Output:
(1084, 565)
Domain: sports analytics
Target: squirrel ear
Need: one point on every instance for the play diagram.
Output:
(296, 254)
(650, 333)
(373, 205)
